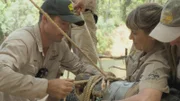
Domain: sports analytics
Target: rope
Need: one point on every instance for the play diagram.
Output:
(93, 80)
(85, 96)
(87, 29)
(80, 82)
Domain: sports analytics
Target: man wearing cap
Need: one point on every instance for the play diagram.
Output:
(168, 30)
(31, 57)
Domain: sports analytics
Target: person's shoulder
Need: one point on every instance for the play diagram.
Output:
(159, 55)
(158, 58)
(21, 35)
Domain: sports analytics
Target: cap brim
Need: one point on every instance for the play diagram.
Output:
(72, 19)
(165, 33)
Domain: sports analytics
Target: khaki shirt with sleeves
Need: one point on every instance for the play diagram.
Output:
(151, 70)
(21, 56)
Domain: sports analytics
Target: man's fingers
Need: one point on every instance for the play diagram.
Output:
(68, 89)
(79, 6)
(59, 88)
(69, 83)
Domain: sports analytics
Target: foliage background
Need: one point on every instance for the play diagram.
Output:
(112, 14)
(16, 14)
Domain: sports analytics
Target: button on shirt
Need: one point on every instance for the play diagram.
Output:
(21, 56)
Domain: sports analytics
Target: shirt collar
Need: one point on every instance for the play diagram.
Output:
(158, 46)
(38, 39)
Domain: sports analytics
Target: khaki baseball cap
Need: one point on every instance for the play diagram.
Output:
(62, 8)
(168, 28)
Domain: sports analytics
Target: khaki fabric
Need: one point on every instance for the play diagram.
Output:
(131, 62)
(151, 70)
(87, 42)
(89, 4)
(21, 56)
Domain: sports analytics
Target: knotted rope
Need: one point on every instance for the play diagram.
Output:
(96, 85)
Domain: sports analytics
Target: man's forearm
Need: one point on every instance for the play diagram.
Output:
(21, 85)
(133, 98)
(145, 95)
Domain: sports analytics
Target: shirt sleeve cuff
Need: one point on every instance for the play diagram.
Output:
(41, 87)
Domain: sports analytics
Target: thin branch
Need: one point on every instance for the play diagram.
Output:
(113, 57)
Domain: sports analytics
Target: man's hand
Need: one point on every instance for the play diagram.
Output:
(79, 6)
(59, 88)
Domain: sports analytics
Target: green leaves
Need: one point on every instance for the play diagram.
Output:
(18, 13)
(113, 13)
(104, 34)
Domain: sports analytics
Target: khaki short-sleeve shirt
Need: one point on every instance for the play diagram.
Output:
(151, 70)
(21, 57)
